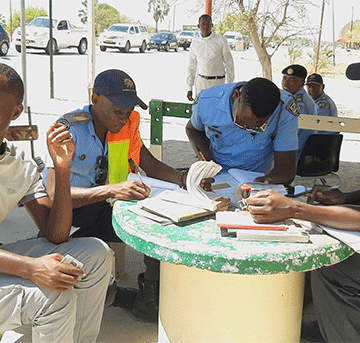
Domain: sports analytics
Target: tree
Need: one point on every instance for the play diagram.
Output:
(30, 14)
(160, 9)
(232, 22)
(351, 33)
(265, 20)
(105, 16)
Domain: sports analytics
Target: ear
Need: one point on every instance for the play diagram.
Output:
(94, 98)
(199, 26)
(17, 111)
(235, 95)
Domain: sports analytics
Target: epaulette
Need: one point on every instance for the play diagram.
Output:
(74, 118)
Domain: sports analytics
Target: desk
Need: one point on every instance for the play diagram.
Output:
(219, 289)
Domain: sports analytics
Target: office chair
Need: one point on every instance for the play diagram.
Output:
(319, 158)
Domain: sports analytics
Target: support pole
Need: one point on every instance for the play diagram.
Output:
(91, 46)
(208, 7)
(319, 42)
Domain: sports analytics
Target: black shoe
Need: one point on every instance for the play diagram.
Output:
(310, 331)
(146, 306)
(125, 298)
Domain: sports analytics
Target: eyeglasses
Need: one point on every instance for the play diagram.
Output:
(101, 170)
(256, 129)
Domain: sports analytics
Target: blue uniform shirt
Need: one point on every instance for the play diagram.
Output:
(306, 106)
(88, 148)
(325, 106)
(233, 147)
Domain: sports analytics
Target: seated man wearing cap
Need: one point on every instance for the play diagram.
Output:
(293, 81)
(336, 288)
(106, 135)
(325, 106)
(247, 125)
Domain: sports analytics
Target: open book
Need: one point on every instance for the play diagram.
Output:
(241, 225)
(226, 182)
(169, 202)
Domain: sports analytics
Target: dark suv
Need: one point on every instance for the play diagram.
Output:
(4, 42)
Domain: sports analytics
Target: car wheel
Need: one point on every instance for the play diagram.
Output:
(127, 47)
(82, 46)
(167, 47)
(176, 48)
(185, 48)
(54, 47)
(18, 48)
(103, 48)
(4, 48)
(143, 47)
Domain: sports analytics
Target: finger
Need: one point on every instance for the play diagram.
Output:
(71, 271)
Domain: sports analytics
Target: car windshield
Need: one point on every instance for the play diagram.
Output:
(161, 36)
(42, 22)
(186, 33)
(229, 37)
(119, 28)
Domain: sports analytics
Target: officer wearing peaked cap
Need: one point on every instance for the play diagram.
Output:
(293, 81)
(325, 106)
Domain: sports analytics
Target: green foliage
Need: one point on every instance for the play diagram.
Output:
(295, 51)
(325, 56)
(105, 16)
(352, 34)
(232, 22)
(30, 14)
(160, 9)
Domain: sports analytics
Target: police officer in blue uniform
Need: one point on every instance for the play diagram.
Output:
(293, 81)
(325, 106)
(247, 125)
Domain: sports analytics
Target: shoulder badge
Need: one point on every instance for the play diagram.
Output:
(299, 97)
(74, 118)
(293, 107)
(322, 104)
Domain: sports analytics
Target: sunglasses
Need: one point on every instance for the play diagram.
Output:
(101, 170)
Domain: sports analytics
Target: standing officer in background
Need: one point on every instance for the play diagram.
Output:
(293, 81)
(210, 60)
(325, 106)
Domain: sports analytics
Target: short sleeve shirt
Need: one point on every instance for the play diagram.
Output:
(20, 181)
(325, 106)
(88, 148)
(233, 147)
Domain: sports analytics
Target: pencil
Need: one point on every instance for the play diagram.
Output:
(134, 167)
(202, 156)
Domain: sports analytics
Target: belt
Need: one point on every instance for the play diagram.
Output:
(212, 77)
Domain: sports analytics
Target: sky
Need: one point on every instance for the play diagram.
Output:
(344, 11)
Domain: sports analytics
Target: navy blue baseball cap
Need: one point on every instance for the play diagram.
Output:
(353, 71)
(119, 88)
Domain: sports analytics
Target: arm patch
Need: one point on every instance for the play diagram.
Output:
(293, 107)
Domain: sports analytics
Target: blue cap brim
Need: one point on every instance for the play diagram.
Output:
(126, 102)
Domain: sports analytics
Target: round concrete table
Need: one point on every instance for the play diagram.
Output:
(220, 289)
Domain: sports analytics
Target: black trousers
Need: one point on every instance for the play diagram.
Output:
(95, 220)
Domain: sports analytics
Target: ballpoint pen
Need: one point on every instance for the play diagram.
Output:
(134, 168)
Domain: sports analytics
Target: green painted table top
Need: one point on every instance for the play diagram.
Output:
(199, 243)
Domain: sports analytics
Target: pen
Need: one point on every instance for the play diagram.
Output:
(200, 153)
(134, 168)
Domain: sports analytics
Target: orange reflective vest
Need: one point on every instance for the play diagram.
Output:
(122, 146)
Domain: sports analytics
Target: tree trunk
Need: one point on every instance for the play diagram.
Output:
(264, 57)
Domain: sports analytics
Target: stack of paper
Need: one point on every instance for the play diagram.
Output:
(241, 225)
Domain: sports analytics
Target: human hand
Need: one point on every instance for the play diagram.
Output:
(189, 95)
(326, 195)
(206, 183)
(48, 272)
(269, 206)
(130, 190)
(61, 146)
(265, 179)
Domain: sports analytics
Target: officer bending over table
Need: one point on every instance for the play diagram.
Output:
(247, 125)
(107, 135)
(335, 289)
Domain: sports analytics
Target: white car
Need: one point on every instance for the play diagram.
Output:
(233, 37)
(124, 37)
(65, 35)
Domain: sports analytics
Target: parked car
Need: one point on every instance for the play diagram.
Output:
(163, 41)
(4, 42)
(124, 37)
(233, 37)
(185, 38)
(247, 41)
(65, 35)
